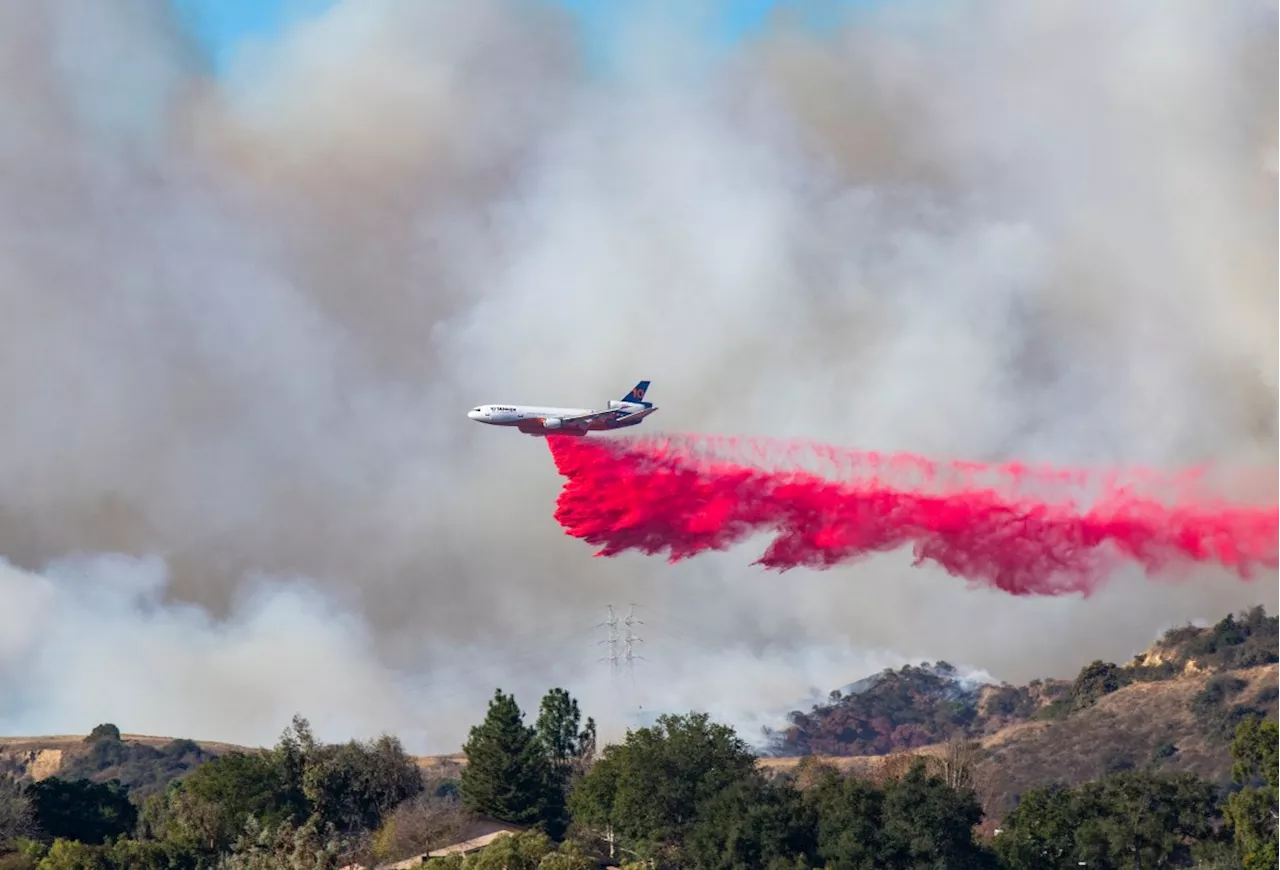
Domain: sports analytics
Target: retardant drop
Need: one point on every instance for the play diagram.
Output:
(1024, 531)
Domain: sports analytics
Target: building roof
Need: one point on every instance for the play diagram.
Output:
(478, 834)
(472, 845)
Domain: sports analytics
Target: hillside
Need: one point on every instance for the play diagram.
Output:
(1183, 724)
(910, 708)
(918, 706)
(142, 762)
(1179, 724)
(1173, 707)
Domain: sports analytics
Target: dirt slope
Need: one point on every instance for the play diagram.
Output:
(1167, 725)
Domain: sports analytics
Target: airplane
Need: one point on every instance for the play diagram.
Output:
(630, 410)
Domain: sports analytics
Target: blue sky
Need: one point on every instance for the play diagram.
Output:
(220, 25)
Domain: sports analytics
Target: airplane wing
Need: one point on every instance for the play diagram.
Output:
(637, 415)
(588, 418)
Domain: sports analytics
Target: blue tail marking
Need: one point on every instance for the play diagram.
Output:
(636, 395)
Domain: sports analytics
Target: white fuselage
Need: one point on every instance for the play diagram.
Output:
(513, 415)
(539, 420)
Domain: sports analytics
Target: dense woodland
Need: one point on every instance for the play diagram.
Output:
(686, 792)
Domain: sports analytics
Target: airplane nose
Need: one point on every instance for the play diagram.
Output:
(473, 415)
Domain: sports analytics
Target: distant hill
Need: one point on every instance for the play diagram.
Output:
(1174, 707)
(909, 708)
(918, 706)
(143, 763)
(1179, 724)
(1182, 724)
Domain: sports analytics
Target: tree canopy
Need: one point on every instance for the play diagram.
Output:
(508, 774)
(684, 792)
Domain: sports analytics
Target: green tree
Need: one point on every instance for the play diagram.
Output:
(82, 810)
(849, 813)
(752, 824)
(648, 788)
(119, 855)
(926, 823)
(568, 857)
(528, 850)
(1041, 831)
(208, 810)
(17, 815)
(1252, 811)
(310, 846)
(242, 784)
(508, 776)
(106, 731)
(1147, 819)
(349, 788)
(568, 749)
(523, 851)
(557, 727)
(1134, 819)
(354, 786)
(1095, 680)
(67, 854)
(147, 855)
(177, 816)
(447, 862)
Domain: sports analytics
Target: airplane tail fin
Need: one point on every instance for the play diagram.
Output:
(636, 396)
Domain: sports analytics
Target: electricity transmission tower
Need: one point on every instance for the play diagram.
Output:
(612, 640)
(628, 656)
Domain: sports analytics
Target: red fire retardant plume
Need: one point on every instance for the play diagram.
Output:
(1020, 530)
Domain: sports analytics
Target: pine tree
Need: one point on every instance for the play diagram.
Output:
(586, 750)
(508, 776)
(557, 726)
(568, 750)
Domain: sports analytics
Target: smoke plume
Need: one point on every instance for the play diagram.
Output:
(243, 317)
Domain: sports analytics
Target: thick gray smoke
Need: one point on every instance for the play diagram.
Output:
(243, 319)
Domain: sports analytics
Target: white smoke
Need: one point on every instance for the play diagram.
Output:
(244, 318)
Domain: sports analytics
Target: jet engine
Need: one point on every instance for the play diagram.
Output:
(551, 422)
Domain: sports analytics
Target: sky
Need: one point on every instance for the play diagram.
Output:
(222, 25)
(243, 324)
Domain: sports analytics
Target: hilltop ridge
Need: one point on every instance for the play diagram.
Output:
(1173, 707)
(141, 762)
(921, 705)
